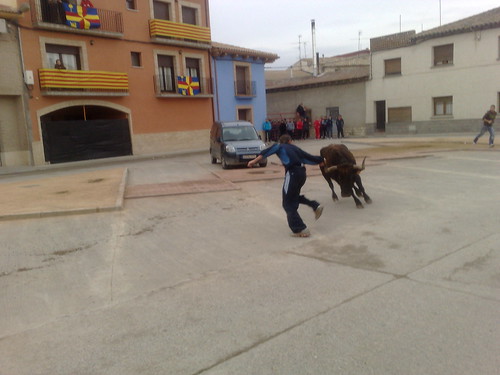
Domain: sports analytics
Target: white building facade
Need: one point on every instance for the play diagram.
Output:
(440, 80)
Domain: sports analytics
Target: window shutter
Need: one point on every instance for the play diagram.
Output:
(443, 54)
(400, 114)
(393, 66)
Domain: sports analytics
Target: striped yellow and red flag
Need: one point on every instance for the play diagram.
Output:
(83, 79)
(179, 30)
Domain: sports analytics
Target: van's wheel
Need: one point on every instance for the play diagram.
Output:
(224, 162)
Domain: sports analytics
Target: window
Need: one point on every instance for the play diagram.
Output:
(166, 76)
(245, 114)
(136, 59)
(399, 114)
(189, 15)
(392, 67)
(443, 106)
(242, 84)
(443, 55)
(52, 12)
(69, 55)
(161, 10)
(131, 4)
(193, 67)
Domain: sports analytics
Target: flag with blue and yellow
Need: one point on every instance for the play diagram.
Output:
(80, 17)
(188, 85)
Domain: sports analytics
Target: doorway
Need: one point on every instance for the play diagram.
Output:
(85, 132)
(333, 112)
(380, 113)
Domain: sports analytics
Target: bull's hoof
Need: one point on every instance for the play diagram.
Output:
(335, 199)
(368, 200)
(359, 206)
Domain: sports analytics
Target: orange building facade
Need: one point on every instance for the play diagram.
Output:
(135, 78)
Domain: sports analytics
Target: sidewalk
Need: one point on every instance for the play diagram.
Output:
(101, 185)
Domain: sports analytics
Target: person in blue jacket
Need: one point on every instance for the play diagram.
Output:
(293, 159)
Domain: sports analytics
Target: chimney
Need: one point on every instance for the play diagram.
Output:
(315, 62)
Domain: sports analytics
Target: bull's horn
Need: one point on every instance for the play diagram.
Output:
(362, 166)
(331, 169)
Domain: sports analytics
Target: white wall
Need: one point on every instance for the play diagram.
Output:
(350, 98)
(9, 3)
(472, 79)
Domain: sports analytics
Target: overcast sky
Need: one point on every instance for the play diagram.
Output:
(275, 25)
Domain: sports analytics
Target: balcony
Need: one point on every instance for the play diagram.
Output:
(57, 82)
(50, 16)
(245, 89)
(181, 34)
(165, 88)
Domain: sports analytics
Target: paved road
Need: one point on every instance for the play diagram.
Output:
(212, 283)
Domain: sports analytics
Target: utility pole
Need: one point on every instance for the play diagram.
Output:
(300, 52)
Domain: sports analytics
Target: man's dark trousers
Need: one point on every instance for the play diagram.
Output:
(295, 178)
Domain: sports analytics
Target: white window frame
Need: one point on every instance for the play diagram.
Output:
(172, 9)
(175, 58)
(84, 63)
(246, 108)
(248, 76)
(190, 5)
(201, 58)
(441, 99)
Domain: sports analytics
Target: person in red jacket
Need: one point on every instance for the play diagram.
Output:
(299, 126)
(317, 127)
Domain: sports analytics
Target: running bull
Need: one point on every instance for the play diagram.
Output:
(340, 165)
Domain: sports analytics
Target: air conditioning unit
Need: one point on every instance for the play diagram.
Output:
(29, 79)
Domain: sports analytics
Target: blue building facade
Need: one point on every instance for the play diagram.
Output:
(239, 83)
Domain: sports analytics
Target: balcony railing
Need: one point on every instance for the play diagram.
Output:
(244, 88)
(59, 81)
(179, 31)
(166, 88)
(45, 13)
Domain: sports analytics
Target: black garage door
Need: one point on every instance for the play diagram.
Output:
(66, 141)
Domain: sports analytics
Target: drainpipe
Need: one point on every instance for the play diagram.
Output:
(25, 101)
(215, 114)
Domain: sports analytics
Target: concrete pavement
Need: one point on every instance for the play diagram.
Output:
(212, 283)
(101, 185)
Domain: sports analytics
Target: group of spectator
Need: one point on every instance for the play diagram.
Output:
(298, 129)
(323, 127)
(301, 127)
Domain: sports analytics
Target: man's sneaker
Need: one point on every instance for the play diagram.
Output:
(318, 211)
(302, 233)
(492, 145)
(475, 142)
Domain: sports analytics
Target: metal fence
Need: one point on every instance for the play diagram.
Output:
(245, 88)
(45, 11)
